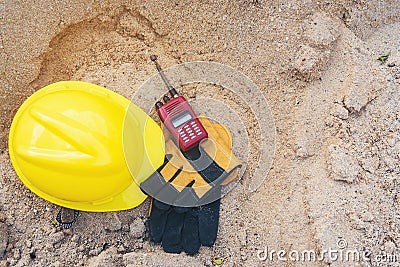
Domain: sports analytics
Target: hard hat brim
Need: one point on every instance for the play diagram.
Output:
(149, 137)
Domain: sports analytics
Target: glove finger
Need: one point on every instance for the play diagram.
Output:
(171, 240)
(157, 220)
(208, 222)
(190, 233)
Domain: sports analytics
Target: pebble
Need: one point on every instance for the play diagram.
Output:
(113, 225)
(307, 62)
(243, 255)
(121, 249)
(306, 59)
(56, 238)
(343, 166)
(208, 263)
(3, 239)
(16, 253)
(75, 238)
(391, 142)
(3, 217)
(242, 235)
(302, 152)
(9, 247)
(28, 243)
(95, 252)
(356, 222)
(367, 216)
(340, 112)
(68, 231)
(107, 258)
(359, 88)
(137, 228)
(389, 247)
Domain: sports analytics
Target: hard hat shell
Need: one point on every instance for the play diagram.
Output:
(67, 144)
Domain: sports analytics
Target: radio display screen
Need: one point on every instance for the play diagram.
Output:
(181, 119)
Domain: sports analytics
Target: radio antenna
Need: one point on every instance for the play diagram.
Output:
(171, 89)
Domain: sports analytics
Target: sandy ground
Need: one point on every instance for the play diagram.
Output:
(334, 181)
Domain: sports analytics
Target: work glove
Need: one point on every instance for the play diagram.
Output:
(186, 191)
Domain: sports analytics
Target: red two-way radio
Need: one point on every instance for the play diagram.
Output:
(179, 117)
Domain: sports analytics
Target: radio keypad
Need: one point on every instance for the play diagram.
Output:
(189, 131)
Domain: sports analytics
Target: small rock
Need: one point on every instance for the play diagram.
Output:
(113, 224)
(3, 217)
(329, 121)
(75, 238)
(306, 59)
(81, 248)
(12, 262)
(355, 101)
(242, 235)
(9, 247)
(391, 141)
(3, 239)
(28, 243)
(95, 252)
(356, 222)
(68, 231)
(130, 25)
(16, 253)
(243, 255)
(51, 248)
(121, 249)
(308, 62)
(340, 112)
(107, 258)
(359, 87)
(343, 166)
(56, 238)
(389, 247)
(208, 263)
(302, 152)
(367, 216)
(137, 228)
(160, 259)
(56, 264)
(125, 228)
(390, 162)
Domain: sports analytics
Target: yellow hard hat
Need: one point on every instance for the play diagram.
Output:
(82, 146)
